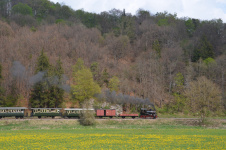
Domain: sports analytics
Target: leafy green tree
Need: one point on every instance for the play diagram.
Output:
(88, 19)
(114, 84)
(84, 86)
(208, 61)
(163, 22)
(179, 103)
(23, 9)
(60, 21)
(165, 18)
(190, 26)
(179, 83)
(79, 65)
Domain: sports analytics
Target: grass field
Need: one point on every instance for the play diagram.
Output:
(45, 134)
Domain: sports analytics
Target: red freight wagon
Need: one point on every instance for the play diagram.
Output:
(100, 112)
(105, 113)
(128, 115)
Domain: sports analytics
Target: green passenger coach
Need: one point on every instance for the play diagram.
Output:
(75, 112)
(17, 112)
(47, 112)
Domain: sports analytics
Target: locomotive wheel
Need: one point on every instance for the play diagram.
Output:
(16, 117)
(111, 117)
(133, 117)
(21, 117)
(39, 117)
(0, 117)
(53, 117)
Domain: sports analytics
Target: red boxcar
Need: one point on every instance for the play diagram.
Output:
(100, 112)
(105, 113)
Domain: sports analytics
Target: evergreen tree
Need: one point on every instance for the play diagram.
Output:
(105, 77)
(203, 50)
(43, 63)
(96, 73)
(40, 94)
(56, 93)
(95, 70)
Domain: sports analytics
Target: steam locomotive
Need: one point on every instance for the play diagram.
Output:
(21, 112)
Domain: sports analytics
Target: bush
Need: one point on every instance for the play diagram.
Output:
(87, 117)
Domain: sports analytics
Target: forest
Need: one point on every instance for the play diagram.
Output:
(54, 56)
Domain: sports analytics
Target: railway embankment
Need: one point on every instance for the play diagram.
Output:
(46, 123)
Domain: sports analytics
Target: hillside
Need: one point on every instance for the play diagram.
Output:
(154, 56)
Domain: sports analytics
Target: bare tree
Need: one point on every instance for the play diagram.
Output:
(203, 96)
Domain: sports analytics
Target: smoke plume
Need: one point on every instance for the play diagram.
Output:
(19, 71)
(112, 97)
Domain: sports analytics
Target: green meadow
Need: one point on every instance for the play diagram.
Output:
(109, 134)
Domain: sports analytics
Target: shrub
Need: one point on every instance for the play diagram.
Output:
(87, 117)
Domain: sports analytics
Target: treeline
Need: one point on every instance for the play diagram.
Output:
(156, 56)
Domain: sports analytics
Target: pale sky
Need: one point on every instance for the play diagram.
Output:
(199, 9)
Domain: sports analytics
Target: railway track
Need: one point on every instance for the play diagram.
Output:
(101, 119)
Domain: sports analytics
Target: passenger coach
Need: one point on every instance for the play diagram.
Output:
(17, 112)
(46, 112)
(75, 112)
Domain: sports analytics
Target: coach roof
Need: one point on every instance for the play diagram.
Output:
(13, 108)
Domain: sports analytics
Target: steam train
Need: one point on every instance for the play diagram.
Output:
(21, 112)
